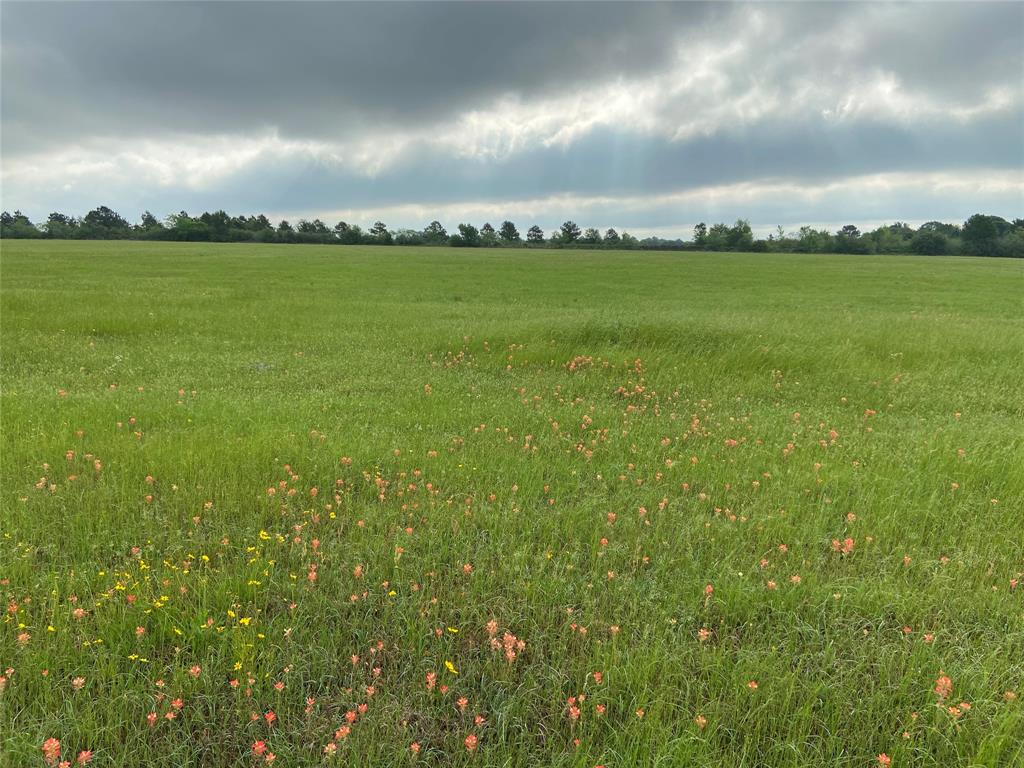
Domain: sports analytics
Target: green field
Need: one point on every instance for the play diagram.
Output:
(579, 506)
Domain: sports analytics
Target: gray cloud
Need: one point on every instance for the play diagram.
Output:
(307, 107)
(308, 69)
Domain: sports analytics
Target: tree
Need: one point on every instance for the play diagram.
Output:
(885, 240)
(260, 223)
(848, 240)
(569, 232)
(379, 232)
(535, 234)
(811, 240)
(627, 240)
(591, 236)
(488, 236)
(700, 234)
(740, 236)
(717, 237)
(928, 242)
(435, 233)
(611, 237)
(314, 231)
(508, 232)
(347, 234)
(217, 224)
(468, 237)
(184, 227)
(17, 225)
(105, 223)
(409, 237)
(980, 233)
(949, 230)
(60, 226)
(149, 222)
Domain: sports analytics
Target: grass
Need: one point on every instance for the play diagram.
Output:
(629, 450)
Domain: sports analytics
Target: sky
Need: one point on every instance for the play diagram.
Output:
(640, 116)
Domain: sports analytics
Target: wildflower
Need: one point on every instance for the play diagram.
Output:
(330, 748)
(415, 747)
(51, 750)
(884, 760)
(845, 546)
(151, 719)
(752, 685)
(195, 671)
(451, 667)
(471, 742)
(78, 683)
(943, 686)
(701, 721)
(84, 756)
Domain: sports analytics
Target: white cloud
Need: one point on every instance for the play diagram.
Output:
(702, 203)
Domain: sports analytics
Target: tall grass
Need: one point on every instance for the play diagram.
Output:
(736, 510)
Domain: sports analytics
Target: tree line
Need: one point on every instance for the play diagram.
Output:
(980, 235)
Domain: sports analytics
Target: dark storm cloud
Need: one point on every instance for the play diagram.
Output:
(607, 163)
(308, 69)
(307, 107)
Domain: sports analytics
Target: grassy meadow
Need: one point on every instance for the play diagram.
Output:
(430, 507)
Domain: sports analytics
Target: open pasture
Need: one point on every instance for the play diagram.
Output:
(395, 507)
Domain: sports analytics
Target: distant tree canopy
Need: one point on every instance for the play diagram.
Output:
(508, 232)
(981, 235)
